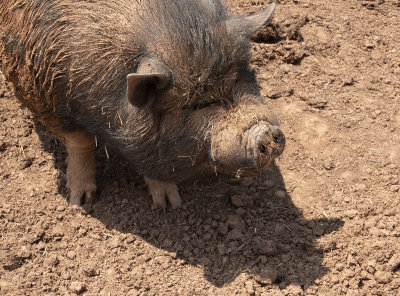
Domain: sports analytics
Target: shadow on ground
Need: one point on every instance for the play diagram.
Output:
(268, 239)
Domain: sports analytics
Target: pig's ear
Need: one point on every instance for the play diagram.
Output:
(249, 24)
(141, 88)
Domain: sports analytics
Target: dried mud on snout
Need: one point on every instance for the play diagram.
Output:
(323, 221)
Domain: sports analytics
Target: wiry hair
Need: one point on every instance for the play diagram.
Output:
(92, 45)
(69, 60)
(191, 38)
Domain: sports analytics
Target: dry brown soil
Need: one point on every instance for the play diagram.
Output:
(324, 221)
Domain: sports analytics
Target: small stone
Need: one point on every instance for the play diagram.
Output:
(249, 287)
(115, 242)
(394, 262)
(351, 213)
(60, 209)
(235, 234)
(369, 44)
(221, 249)
(267, 276)
(240, 211)
(205, 261)
(334, 279)
(51, 261)
(235, 221)
(269, 183)
(222, 228)
(242, 201)
(280, 194)
(383, 277)
(71, 255)
(339, 267)
(389, 212)
(351, 260)
(207, 237)
(294, 290)
(359, 187)
(328, 164)
(77, 287)
(269, 248)
(395, 188)
(66, 275)
(81, 232)
(395, 284)
(90, 272)
(278, 93)
(394, 181)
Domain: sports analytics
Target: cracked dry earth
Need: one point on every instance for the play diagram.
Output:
(325, 220)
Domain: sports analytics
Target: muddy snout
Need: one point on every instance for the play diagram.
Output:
(248, 151)
(265, 142)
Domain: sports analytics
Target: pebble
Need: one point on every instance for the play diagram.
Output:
(242, 201)
(249, 287)
(394, 262)
(235, 234)
(339, 267)
(90, 272)
(66, 275)
(383, 277)
(351, 260)
(351, 213)
(51, 261)
(235, 221)
(71, 255)
(294, 290)
(280, 194)
(269, 183)
(269, 248)
(267, 275)
(222, 228)
(115, 242)
(334, 279)
(77, 287)
(60, 209)
(394, 181)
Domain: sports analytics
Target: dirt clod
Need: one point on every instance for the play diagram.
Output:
(77, 287)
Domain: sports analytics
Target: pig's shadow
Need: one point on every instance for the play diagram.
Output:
(270, 240)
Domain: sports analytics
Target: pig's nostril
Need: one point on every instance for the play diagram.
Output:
(263, 149)
(279, 138)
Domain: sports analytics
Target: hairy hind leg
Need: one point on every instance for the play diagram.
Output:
(81, 167)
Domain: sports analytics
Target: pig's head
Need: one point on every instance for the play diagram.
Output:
(211, 116)
(247, 140)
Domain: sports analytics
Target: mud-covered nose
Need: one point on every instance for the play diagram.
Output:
(273, 138)
(248, 151)
(269, 140)
(277, 135)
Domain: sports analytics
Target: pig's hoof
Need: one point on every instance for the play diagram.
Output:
(77, 193)
(161, 191)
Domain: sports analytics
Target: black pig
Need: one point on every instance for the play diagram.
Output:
(167, 84)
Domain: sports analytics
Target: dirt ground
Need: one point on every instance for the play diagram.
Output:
(324, 221)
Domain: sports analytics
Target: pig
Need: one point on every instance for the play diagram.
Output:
(167, 84)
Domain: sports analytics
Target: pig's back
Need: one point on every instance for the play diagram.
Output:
(60, 54)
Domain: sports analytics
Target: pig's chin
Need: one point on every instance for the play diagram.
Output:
(234, 172)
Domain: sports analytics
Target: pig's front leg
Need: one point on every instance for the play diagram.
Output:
(80, 167)
(161, 191)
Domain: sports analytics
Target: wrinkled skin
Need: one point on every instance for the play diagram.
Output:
(167, 84)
